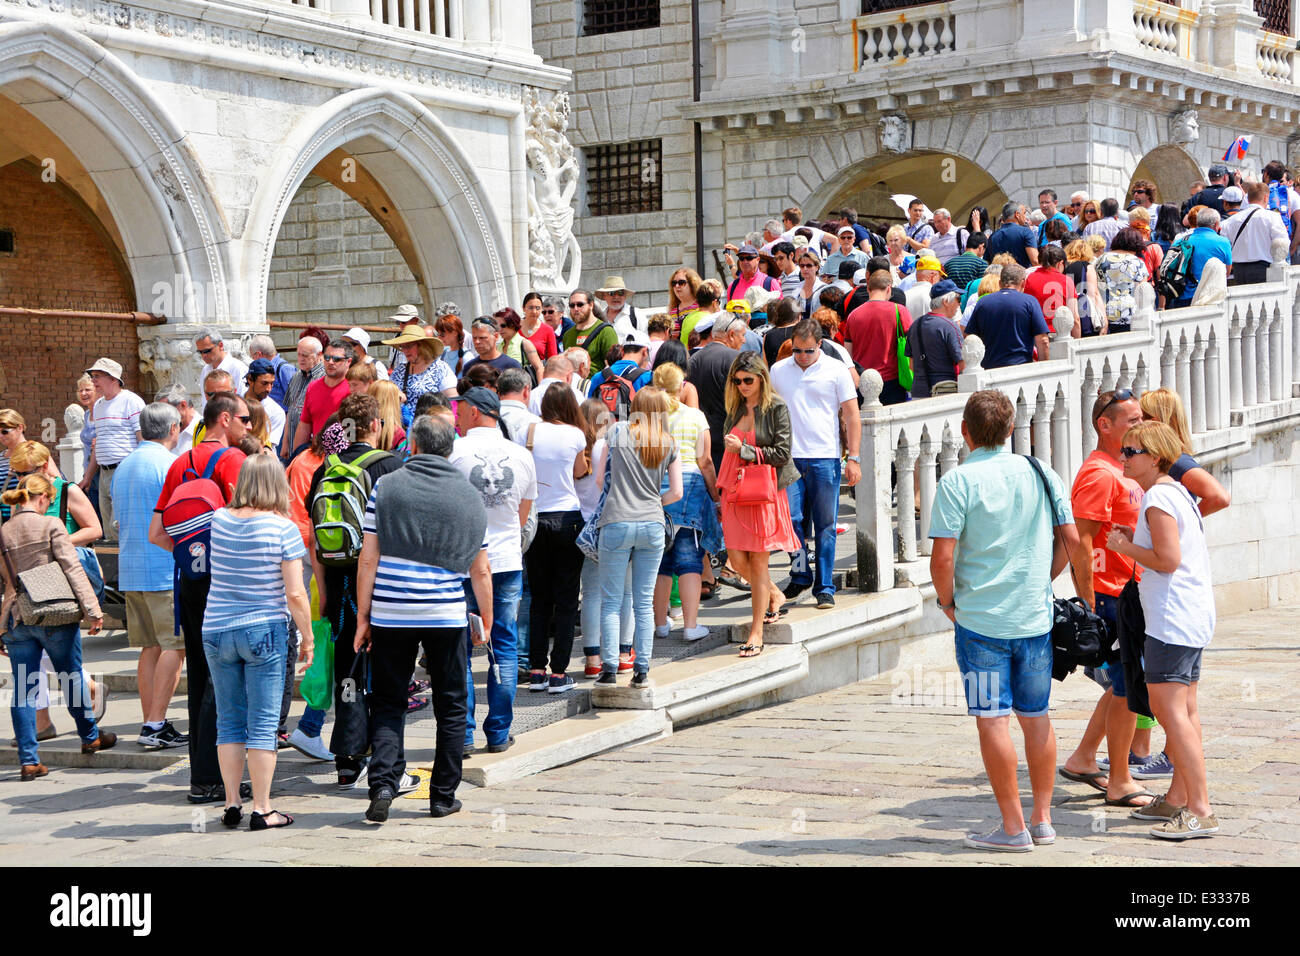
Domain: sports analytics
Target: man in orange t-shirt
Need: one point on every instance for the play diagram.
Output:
(1101, 499)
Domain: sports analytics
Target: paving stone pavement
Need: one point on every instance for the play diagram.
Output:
(854, 775)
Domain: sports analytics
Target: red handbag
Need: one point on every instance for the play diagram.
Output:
(755, 482)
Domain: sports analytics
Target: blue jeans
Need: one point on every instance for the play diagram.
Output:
(814, 506)
(312, 721)
(25, 644)
(521, 620)
(1005, 675)
(639, 544)
(247, 668)
(502, 677)
(590, 611)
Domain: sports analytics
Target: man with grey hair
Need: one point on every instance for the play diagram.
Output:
(212, 349)
(412, 607)
(558, 368)
(310, 368)
(934, 343)
(1203, 243)
(262, 346)
(1014, 236)
(514, 390)
(487, 340)
(553, 315)
(1010, 322)
(179, 399)
(145, 571)
(734, 332)
(948, 241)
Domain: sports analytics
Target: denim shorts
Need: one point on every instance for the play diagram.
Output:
(247, 667)
(686, 556)
(1171, 663)
(1005, 675)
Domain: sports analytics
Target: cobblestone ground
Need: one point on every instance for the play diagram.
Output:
(852, 775)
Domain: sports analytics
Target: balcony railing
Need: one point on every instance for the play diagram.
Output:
(885, 37)
(1276, 14)
(439, 18)
(1275, 57)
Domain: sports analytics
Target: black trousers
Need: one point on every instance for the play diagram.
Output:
(200, 697)
(1248, 273)
(392, 662)
(554, 576)
(341, 611)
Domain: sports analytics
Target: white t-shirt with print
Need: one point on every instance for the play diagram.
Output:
(503, 473)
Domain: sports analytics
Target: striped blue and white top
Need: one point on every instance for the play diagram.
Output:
(247, 584)
(412, 593)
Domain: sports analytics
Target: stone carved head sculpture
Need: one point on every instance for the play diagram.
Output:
(972, 354)
(895, 133)
(1063, 319)
(871, 384)
(1185, 127)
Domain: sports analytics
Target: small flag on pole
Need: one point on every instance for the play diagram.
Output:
(1238, 148)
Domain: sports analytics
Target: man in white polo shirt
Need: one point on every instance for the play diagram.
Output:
(212, 349)
(117, 433)
(819, 392)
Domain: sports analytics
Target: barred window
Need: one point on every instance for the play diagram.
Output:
(883, 6)
(614, 16)
(1276, 14)
(624, 178)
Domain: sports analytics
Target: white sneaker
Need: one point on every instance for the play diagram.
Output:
(409, 783)
(312, 747)
(662, 630)
(697, 633)
(675, 613)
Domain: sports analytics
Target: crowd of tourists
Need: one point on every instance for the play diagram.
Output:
(583, 468)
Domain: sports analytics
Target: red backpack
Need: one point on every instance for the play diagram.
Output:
(616, 392)
(187, 517)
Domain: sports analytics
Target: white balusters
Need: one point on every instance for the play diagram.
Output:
(1198, 384)
(1214, 417)
(1088, 395)
(1183, 367)
(1249, 368)
(1040, 429)
(905, 465)
(1167, 359)
(1276, 386)
(1061, 437)
(948, 450)
(926, 462)
(1295, 339)
(1020, 434)
(1234, 363)
(1124, 380)
(1140, 376)
(884, 42)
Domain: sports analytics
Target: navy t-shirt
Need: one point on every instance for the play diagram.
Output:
(1014, 239)
(1182, 466)
(1007, 322)
(934, 346)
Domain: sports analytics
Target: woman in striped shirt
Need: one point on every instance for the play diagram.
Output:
(256, 560)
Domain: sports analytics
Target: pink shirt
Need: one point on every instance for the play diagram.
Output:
(321, 402)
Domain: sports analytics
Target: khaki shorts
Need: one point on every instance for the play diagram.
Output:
(150, 622)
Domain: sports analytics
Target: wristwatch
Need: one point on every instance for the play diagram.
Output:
(944, 607)
(856, 458)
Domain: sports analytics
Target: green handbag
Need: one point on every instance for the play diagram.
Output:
(317, 687)
(904, 364)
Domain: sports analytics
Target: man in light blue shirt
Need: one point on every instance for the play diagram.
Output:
(994, 557)
(144, 573)
(1205, 244)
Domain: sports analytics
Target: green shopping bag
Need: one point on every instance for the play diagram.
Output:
(317, 687)
(904, 364)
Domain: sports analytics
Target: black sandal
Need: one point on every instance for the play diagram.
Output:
(232, 816)
(258, 821)
(708, 590)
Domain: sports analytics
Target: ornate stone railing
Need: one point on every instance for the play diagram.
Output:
(898, 36)
(438, 18)
(1160, 27)
(1275, 57)
(1233, 363)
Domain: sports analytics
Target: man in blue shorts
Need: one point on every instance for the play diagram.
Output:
(997, 590)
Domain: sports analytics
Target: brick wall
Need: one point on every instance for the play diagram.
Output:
(61, 260)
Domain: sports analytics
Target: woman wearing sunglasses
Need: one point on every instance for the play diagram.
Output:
(756, 468)
(1178, 604)
(681, 298)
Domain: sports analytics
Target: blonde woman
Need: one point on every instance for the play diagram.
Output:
(259, 427)
(901, 262)
(810, 287)
(640, 454)
(1139, 218)
(389, 397)
(695, 515)
(1178, 607)
(1164, 405)
(31, 538)
(757, 425)
(1079, 257)
(257, 586)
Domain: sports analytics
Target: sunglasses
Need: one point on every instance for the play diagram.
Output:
(549, 311)
(1132, 452)
(7, 431)
(805, 351)
(246, 419)
(1139, 192)
(807, 265)
(337, 358)
(747, 258)
(206, 350)
(1119, 395)
(577, 305)
(743, 380)
(680, 282)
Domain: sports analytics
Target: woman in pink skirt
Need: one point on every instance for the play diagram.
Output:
(757, 426)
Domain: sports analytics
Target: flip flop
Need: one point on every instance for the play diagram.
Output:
(1089, 778)
(708, 589)
(751, 650)
(1127, 799)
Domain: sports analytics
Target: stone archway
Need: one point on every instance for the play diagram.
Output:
(937, 178)
(458, 246)
(132, 163)
(1171, 168)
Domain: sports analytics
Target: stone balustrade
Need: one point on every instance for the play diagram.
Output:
(438, 18)
(1162, 27)
(1275, 57)
(906, 448)
(899, 36)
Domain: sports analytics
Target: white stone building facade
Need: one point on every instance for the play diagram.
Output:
(195, 132)
(842, 102)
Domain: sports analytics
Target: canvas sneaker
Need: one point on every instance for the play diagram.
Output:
(560, 683)
(1134, 761)
(350, 781)
(1154, 767)
(1185, 825)
(999, 839)
(1043, 834)
(697, 633)
(537, 682)
(312, 747)
(409, 783)
(1158, 810)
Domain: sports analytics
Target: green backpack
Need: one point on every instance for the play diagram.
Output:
(338, 507)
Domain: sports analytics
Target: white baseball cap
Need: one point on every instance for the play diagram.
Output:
(359, 336)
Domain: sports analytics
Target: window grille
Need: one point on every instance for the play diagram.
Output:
(624, 178)
(614, 16)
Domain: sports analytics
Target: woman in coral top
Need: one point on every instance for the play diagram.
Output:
(757, 423)
(535, 330)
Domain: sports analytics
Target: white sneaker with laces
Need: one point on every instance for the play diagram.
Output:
(697, 633)
(313, 747)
